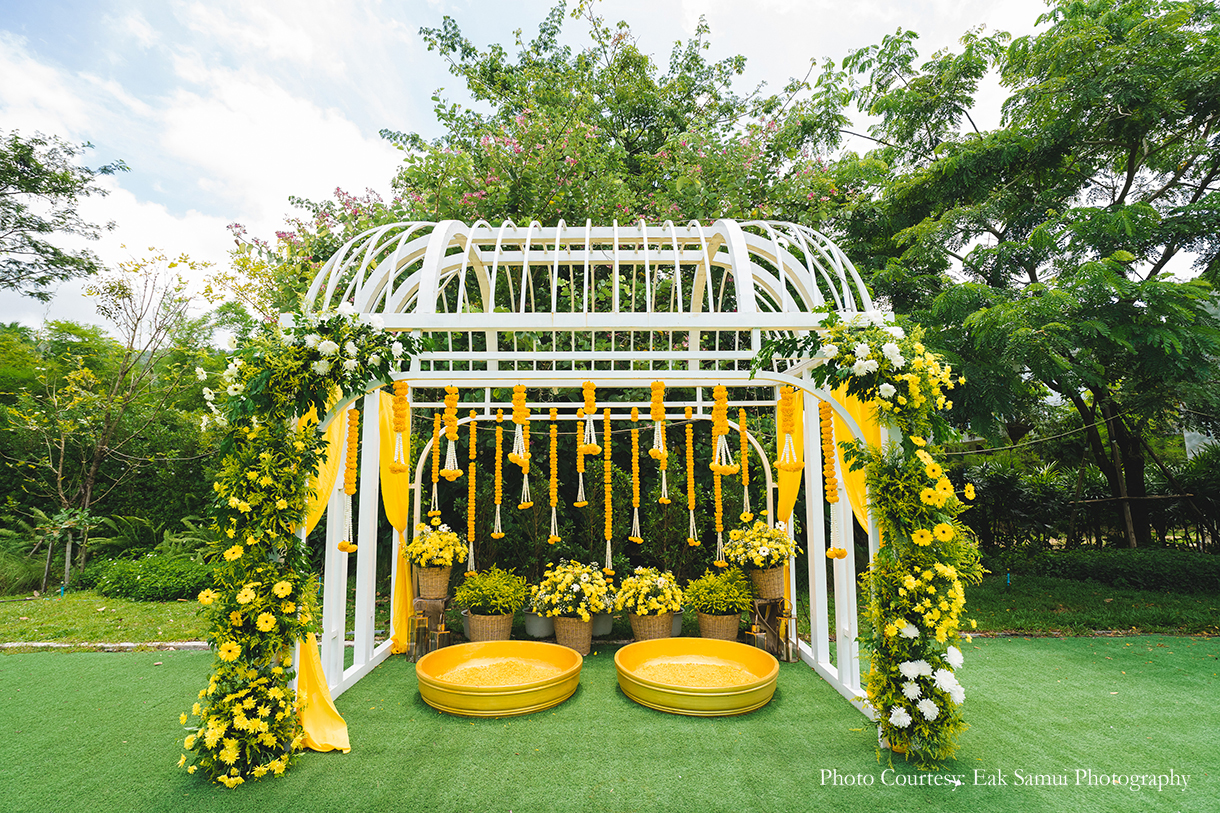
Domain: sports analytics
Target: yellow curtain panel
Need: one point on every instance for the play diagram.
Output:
(396, 495)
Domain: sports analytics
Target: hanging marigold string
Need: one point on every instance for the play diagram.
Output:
(746, 514)
(520, 454)
(451, 471)
(658, 451)
(402, 450)
(498, 532)
(470, 501)
(692, 538)
(608, 494)
(589, 444)
(635, 478)
(581, 501)
(722, 459)
(554, 484)
(788, 459)
(349, 478)
(434, 513)
(828, 473)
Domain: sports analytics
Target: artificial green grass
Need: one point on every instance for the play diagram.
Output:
(99, 732)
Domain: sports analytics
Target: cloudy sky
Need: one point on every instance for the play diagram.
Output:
(223, 109)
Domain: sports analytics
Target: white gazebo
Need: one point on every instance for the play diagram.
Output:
(621, 305)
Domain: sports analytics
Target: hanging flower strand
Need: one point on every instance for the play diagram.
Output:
(451, 471)
(788, 459)
(692, 538)
(746, 514)
(520, 455)
(828, 473)
(402, 450)
(349, 478)
(722, 460)
(635, 478)
(581, 500)
(608, 494)
(589, 445)
(470, 501)
(554, 484)
(658, 451)
(498, 532)
(434, 513)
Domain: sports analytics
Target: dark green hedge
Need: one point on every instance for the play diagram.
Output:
(1161, 569)
(154, 578)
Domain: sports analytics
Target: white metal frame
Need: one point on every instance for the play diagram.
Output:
(621, 305)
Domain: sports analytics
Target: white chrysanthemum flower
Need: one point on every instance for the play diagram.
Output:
(911, 690)
(350, 364)
(374, 360)
(944, 679)
(957, 694)
(396, 349)
(201, 374)
(328, 348)
(234, 389)
(208, 395)
(953, 656)
(311, 341)
(321, 367)
(830, 350)
(878, 318)
(924, 668)
(900, 717)
(864, 367)
(910, 631)
(928, 709)
(895, 331)
(350, 348)
(862, 350)
(886, 390)
(909, 669)
(374, 321)
(346, 309)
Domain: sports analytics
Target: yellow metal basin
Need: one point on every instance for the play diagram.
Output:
(682, 657)
(474, 700)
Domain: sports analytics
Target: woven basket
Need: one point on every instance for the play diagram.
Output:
(720, 627)
(491, 627)
(648, 627)
(433, 581)
(768, 583)
(574, 634)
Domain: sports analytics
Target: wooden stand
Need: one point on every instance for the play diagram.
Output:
(769, 622)
(428, 631)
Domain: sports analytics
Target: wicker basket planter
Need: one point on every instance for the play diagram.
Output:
(769, 583)
(491, 627)
(574, 634)
(719, 627)
(433, 581)
(649, 627)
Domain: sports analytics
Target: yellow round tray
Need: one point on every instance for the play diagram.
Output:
(710, 701)
(498, 701)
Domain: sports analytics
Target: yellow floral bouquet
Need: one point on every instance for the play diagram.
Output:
(760, 547)
(572, 590)
(649, 592)
(434, 547)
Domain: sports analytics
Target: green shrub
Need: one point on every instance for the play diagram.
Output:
(724, 593)
(492, 592)
(154, 578)
(1162, 569)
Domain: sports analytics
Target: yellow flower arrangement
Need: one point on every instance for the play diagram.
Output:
(759, 547)
(571, 589)
(692, 537)
(402, 432)
(207, 597)
(282, 589)
(635, 478)
(470, 494)
(649, 591)
(498, 490)
(434, 547)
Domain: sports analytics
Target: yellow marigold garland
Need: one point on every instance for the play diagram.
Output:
(746, 513)
(608, 493)
(589, 445)
(826, 420)
(788, 459)
(497, 531)
(722, 457)
(692, 538)
(658, 451)
(349, 478)
(451, 471)
(520, 455)
(581, 502)
(470, 500)
(635, 478)
(554, 484)
(402, 451)
(434, 513)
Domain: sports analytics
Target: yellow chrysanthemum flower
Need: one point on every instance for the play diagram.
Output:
(266, 622)
(207, 597)
(234, 552)
(281, 503)
(235, 618)
(229, 651)
(246, 595)
(929, 496)
(282, 589)
(969, 491)
(934, 471)
(922, 537)
(944, 532)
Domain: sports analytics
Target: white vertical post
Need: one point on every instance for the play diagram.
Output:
(334, 591)
(366, 552)
(815, 525)
(847, 648)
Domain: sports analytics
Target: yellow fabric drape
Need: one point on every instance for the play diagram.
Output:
(865, 415)
(325, 729)
(396, 496)
(789, 482)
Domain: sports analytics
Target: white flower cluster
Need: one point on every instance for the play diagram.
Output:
(943, 679)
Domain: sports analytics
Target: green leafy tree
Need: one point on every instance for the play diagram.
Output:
(40, 189)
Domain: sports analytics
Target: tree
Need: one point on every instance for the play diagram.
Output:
(40, 188)
(1063, 222)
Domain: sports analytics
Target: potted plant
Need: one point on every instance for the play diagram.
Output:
(570, 593)
(433, 552)
(720, 599)
(651, 598)
(762, 551)
(490, 598)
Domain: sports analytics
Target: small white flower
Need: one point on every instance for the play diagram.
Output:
(328, 348)
(909, 669)
(396, 349)
(222, 421)
(321, 367)
(234, 389)
(350, 364)
(203, 424)
(201, 374)
(374, 360)
(208, 395)
(764, 551)
(886, 390)
(862, 351)
(900, 717)
(953, 656)
(864, 367)
(830, 351)
(928, 709)
(346, 309)
(232, 342)
(350, 349)
(311, 341)
(895, 331)
(891, 349)
(910, 631)
(911, 690)
(944, 679)
(957, 694)
(374, 321)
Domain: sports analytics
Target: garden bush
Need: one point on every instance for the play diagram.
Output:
(154, 578)
(1160, 569)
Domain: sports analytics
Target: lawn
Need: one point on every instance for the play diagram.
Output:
(99, 732)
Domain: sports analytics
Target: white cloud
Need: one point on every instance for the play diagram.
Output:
(44, 98)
